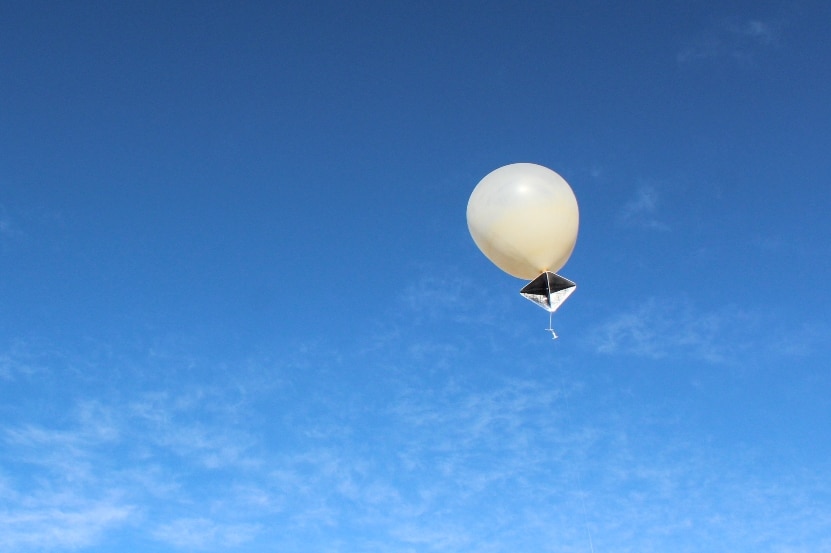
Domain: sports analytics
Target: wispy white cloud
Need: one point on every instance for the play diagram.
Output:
(660, 328)
(484, 468)
(70, 487)
(446, 293)
(682, 498)
(22, 359)
(67, 453)
(63, 502)
(203, 533)
(439, 460)
(737, 40)
(188, 425)
(58, 521)
(642, 210)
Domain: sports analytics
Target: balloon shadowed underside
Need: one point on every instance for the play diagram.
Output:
(524, 217)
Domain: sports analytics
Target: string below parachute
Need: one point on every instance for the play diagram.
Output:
(549, 291)
(549, 329)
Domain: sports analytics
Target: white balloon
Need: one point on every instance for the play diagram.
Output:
(524, 218)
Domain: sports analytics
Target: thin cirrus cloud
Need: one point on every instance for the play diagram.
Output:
(110, 469)
(736, 40)
(642, 211)
(439, 463)
(451, 293)
(66, 498)
(11, 366)
(203, 533)
(58, 521)
(659, 328)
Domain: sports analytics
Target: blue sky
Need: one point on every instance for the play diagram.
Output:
(240, 308)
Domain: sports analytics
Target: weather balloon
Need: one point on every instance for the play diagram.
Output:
(524, 218)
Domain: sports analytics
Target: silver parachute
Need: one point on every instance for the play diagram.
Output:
(549, 291)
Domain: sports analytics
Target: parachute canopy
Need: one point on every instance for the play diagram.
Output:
(524, 218)
(549, 290)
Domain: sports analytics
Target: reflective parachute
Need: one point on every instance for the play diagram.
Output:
(549, 291)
